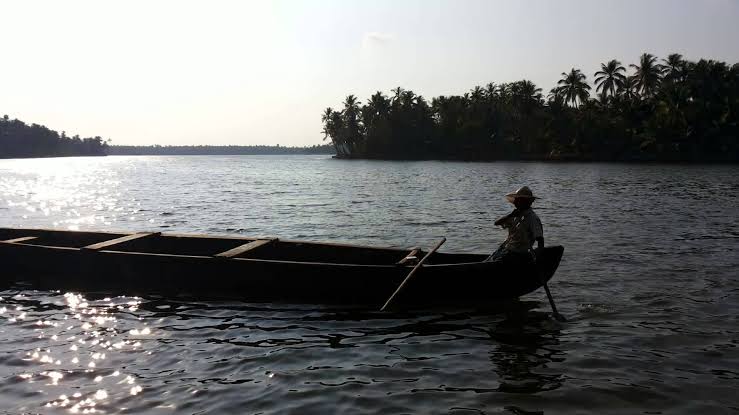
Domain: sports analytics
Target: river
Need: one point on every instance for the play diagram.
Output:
(648, 283)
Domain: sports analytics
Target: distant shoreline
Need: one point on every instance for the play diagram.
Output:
(206, 150)
(20, 140)
(549, 159)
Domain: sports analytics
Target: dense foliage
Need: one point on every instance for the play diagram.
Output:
(217, 150)
(17, 139)
(670, 109)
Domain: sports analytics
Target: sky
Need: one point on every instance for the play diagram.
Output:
(261, 72)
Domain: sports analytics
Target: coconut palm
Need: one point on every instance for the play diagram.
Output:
(573, 87)
(397, 92)
(407, 98)
(379, 103)
(610, 78)
(491, 91)
(326, 119)
(674, 67)
(628, 88)
(525, 96)
(351, 121)
(648, 74)
(554, 95)
(477, 94)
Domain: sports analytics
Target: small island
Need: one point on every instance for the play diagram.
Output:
(20, 140)
(665, 110)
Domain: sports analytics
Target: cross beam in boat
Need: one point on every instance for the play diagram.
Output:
(245, 247)
(17, 240)
(412, 255)
(106, 244)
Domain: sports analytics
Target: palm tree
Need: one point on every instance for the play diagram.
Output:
(554, 95)
(397, 92)
(648, 74)
(379, 103)
(525, 95)
(491, 91)
(573, 87)
(477, 94)
(407, 98)
(351, 122)
(610, 78)
(628, 88)
(326, 120)
(674, 67)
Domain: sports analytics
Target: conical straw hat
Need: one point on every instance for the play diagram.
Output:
(523, 192)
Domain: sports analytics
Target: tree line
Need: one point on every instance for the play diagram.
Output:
(671, 109)
(18, 139)
(217, 150)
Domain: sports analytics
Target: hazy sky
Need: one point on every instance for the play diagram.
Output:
(261, 72)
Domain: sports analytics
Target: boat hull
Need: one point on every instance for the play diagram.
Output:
(267, 280)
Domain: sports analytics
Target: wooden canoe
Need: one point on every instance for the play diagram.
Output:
(259, 270)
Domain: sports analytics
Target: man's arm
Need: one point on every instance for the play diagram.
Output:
(540, 242)
(502, 220)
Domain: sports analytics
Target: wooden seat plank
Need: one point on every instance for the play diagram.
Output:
(22, 239)
(244, 248)
(112, 242)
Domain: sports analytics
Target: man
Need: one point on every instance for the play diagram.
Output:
(524, 228)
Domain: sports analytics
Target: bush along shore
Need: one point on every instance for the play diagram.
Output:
(667, 109)
(19, 140)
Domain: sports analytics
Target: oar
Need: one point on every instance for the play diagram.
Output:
(557, 316)
(410, 274)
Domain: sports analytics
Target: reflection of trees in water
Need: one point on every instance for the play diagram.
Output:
(526, 342)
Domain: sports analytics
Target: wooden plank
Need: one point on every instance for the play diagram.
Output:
(23, 239)
(414, 253)
(106, 244)
(244, 248)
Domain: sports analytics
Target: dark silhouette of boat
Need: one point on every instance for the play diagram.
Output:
(260, 270)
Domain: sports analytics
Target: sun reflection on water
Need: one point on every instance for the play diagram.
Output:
(82, 339)
(76, 193)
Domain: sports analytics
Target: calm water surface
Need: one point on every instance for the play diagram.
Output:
(649, 284)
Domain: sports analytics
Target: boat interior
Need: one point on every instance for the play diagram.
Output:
(226, 247)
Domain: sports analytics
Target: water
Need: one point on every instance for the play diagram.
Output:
(648, 284)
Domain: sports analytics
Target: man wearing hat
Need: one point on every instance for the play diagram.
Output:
(524, 227)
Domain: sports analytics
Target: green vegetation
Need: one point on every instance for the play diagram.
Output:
(216, 150)
(666, 110)
(17, 140)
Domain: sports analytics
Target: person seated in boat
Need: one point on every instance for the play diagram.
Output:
(524, 228)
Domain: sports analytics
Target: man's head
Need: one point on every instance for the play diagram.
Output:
(521, 198)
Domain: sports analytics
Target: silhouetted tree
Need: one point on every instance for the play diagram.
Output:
(573, 87)
(648, 75)
(610, 79)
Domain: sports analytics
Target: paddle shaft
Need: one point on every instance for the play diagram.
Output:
(551, 300)
(410, 274)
